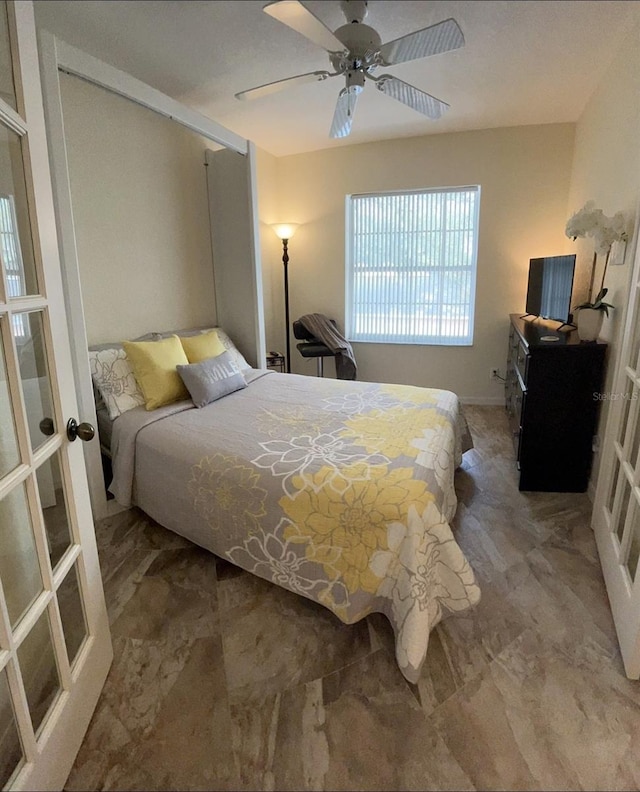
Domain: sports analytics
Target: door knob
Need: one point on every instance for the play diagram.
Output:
(47, 426)
(83, 430)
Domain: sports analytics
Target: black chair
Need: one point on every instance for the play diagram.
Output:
(310, 346)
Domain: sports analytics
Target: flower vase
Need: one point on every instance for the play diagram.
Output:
(589, 324)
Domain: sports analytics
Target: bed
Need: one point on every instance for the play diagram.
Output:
(339, 491)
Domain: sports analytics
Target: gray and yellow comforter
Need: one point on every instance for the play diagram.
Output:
(339, 491)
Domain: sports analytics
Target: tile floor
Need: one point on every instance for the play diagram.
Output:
(223, 681)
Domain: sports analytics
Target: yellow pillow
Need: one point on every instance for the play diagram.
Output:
(202, 347)
(154, 365)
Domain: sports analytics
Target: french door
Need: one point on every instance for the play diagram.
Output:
(616, 512)
(55, 648)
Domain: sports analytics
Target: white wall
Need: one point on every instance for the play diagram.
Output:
(606, 168)
(524, 174)
(139, 196)
(606, 163)
(271, 250)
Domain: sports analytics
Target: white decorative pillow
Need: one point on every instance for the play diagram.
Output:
(113, 377)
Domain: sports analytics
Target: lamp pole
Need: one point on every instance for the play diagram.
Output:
(285, 231)
(285, 262)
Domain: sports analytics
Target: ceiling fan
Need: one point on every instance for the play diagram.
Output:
(355, 51)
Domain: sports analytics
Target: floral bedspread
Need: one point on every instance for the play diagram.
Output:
(339, 491)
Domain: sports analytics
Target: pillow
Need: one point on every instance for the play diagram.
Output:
(114, 380)
(228, 344)
(212, 379)
(118, 344)
(154, 365)
(201, 347)
(189, 332)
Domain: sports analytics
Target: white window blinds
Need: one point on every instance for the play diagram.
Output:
(12, 259)
(411, 266)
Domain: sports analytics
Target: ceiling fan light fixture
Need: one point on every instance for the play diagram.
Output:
(358, 39)
(355, 81)
(355, 50)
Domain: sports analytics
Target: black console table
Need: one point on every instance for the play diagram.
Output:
(551, 391)
(275, 361)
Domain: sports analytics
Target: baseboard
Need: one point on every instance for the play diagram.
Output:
(482, 400)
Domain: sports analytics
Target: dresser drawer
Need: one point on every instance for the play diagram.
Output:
(550, 406)
(521, 362)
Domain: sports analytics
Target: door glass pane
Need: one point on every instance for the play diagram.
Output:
(16, 243)
(622, 513)
(34, 372)
(39, 670)
(10, 748)
(633, 455)
(7, 87)
(54, 508)
(634, 545)
(9, 457)
(625, 410)
(19, 568)
(634, 350)
(71, 613)
(614, 481)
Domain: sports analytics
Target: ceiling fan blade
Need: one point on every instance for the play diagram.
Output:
(343, 115)
(279, 85)
(443, 37)
(293, 14)
(411, 96)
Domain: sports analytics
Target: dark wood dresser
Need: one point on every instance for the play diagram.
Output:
(551, 391)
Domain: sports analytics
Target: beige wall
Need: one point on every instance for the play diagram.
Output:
(606, 168)
(524, 174)
(140, 209)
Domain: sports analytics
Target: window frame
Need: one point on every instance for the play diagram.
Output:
(349, 260)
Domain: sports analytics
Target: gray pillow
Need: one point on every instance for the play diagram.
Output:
(118, 344)
(212, 378)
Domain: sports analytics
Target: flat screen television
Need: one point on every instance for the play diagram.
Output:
(550, 285)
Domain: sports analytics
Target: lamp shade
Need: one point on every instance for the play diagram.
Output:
(285, 230)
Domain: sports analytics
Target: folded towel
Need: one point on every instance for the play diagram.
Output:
(325, 331)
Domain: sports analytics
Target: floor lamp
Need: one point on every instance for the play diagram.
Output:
(285, 231)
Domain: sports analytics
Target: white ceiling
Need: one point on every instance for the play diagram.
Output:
(525, 62)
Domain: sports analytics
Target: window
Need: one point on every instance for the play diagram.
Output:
(411, 266)
(11, 257)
